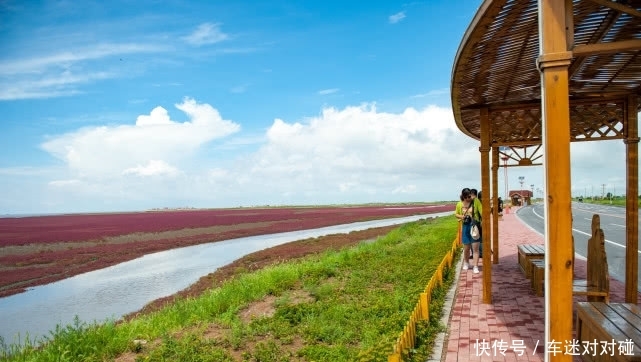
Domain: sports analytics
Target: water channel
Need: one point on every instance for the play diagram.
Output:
(113, 292)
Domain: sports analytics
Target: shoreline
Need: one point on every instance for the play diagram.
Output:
(258, 260)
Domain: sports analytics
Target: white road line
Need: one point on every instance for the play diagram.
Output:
(584, 233)
(621, 226)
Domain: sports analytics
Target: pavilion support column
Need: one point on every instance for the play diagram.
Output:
(485, 186)
(631, 201)
(495, 203)
(553, 63)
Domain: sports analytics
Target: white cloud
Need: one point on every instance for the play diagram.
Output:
(51, 86)
(349, 155)
(393, 19)
(153, 168)
(405, 189)
(432, 93)
(206, 33)
(21, 171)
(361, 153)
(64, 183)
(328, 91)
(60, 74)
(109, 151)
(62, 60)
(355, 154)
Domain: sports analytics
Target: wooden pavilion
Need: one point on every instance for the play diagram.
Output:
(520, 197)
(535, 75)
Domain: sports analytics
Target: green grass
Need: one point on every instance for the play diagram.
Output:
(616, 201)
(356, 302)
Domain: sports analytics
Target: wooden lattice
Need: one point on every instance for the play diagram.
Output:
(588, 122)
(510, 126)
(597, 121)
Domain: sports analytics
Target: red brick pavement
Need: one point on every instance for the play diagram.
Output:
(514, 322)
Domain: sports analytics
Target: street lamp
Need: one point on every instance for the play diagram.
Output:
(532, 196)
(505, 156)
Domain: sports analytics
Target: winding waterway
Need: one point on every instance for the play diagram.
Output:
(118, 290)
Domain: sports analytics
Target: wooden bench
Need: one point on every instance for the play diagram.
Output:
(597, 285)
(528, 252)
(538, 276)
(601, 328)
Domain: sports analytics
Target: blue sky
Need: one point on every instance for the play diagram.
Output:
(119, 105)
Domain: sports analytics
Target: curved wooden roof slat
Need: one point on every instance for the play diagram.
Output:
(495, 68)
(620, 7)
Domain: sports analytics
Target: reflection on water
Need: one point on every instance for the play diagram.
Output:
(127, 287)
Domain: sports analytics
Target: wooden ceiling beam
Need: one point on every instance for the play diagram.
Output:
(604, 48)
(618, 6)
(595, 98)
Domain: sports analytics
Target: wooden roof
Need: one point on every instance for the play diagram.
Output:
(495, 67)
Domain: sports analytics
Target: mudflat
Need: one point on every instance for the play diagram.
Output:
(40, 250)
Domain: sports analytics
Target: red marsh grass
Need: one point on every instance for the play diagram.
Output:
(40, 250)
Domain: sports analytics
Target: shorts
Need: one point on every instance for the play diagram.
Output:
(466, 238)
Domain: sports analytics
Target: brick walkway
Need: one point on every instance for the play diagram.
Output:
(516, 315)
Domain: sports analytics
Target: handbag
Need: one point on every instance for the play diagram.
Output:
(474, 231)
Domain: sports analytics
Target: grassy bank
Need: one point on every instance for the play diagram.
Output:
(616, 201)
(338, 306)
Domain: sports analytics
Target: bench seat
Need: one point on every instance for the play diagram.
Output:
(528, 252)
(538, 276)
(610, 323)
(597, 285)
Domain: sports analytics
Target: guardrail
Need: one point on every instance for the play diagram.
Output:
(407, 338)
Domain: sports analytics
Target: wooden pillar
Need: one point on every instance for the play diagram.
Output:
(485, 186)
(631, 203)
(553, 63)
(495, 202)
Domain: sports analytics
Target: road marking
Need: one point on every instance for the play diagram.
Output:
(603, 211)
(584, 233)
(621, 226)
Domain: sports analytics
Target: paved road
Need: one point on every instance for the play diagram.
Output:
(612, 223)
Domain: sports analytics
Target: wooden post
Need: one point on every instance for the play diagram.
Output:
(495, 203)
(631, 200)
(425, 306)
(553, 62)
(395, 357)
(485, 186)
